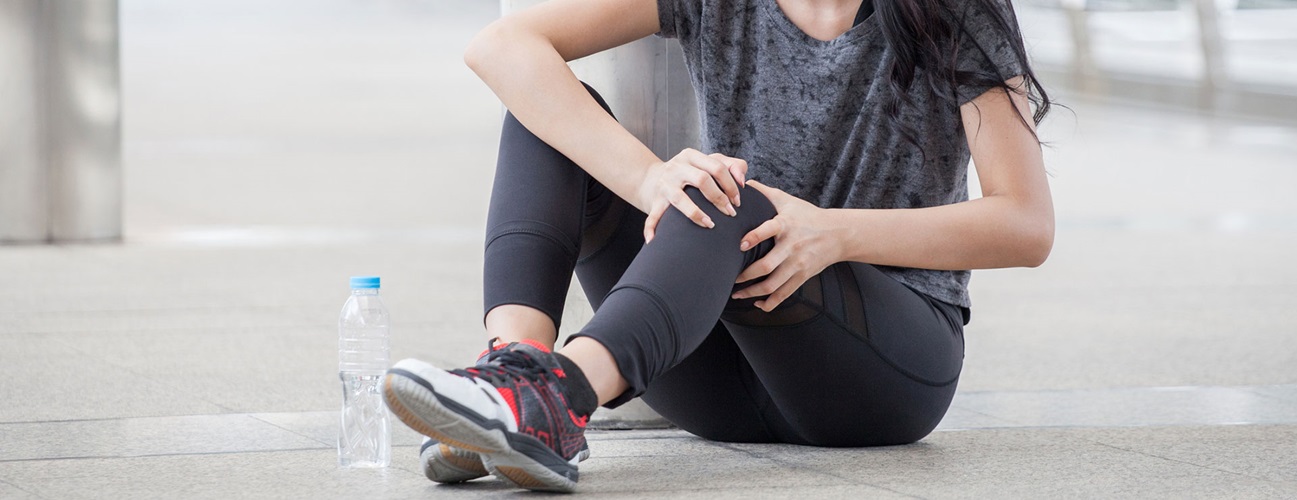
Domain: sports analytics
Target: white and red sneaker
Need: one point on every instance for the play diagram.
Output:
(511, 409)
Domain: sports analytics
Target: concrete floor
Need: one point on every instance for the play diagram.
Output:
(271, 152)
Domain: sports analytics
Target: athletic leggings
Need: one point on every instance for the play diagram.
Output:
(853, 358)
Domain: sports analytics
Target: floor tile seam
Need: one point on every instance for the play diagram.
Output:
(1167, 388)
(291, 431)
(136, 310)
(20, 488)
(157, 455)
(186, 454)
(141, 375)
(794, 488)
(1254, 391)
(1008, 420)
(141, 417)
(1027, 289)
(638, 438)
(1184, 462)
(246, 330)
(1117, 427)
(799, 467)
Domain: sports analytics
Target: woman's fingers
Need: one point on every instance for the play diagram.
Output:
(767, 286)
(762, 266)
(782, 293)
(718, 177)
(768, 229)
(776, 196)
(719, 172)
(738, 170)
(686, 206)
(651, 222)
(705, 183)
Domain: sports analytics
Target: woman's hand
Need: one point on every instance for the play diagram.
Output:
(716, 175)
(803, 248)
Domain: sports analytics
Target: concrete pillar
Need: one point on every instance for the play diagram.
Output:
(1214, 74)
(24, 201)
(60, 152)
(1085, 72)
(647, 86)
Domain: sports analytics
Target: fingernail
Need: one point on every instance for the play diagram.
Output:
(708, 221)
(735, 296)
(737, 201)
(733, 213)
(743, 247)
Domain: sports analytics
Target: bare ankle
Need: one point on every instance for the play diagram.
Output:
(515, 323)
(599, 366)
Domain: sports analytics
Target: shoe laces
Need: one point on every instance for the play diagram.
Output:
(503, 365)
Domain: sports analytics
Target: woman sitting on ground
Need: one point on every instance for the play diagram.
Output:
(802, 280)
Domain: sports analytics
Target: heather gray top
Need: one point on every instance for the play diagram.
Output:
(807, 114)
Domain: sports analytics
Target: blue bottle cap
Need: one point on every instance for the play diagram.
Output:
(364, 282)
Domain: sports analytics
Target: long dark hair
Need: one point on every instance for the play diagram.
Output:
(925, 35)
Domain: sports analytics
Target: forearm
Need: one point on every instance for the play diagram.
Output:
(989, 232)
(534, 82)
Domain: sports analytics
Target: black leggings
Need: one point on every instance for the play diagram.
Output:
(853, 358)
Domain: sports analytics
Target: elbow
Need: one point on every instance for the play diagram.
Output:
(1038, 243)
(481, 50)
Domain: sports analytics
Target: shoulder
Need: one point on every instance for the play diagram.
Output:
(977, 18)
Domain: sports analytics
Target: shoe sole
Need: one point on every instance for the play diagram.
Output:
(410, 392)
(446, 464)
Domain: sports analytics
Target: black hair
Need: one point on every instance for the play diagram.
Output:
(925, 35)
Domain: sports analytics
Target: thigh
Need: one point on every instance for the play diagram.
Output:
(611, 236)
(857, 359)
(715, 394)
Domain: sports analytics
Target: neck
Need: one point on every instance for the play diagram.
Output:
(832, 5)
(821, 19)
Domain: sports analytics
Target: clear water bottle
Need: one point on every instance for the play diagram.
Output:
(365, 436)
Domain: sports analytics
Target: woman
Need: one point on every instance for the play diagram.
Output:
(805, 282)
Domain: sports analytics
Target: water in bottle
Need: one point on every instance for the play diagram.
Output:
(365, 436)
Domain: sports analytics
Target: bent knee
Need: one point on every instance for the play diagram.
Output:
(754, 209)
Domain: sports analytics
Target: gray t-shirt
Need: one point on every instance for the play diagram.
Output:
(807, 114)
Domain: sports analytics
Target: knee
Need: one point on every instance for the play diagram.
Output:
(728, 230)
(754, 209)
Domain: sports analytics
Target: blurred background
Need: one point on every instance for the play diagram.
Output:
(270, 150)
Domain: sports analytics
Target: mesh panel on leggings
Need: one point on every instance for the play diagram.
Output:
(808, 302)
(852, 301)
(805, 304)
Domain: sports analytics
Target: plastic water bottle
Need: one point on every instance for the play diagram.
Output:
(365, 436)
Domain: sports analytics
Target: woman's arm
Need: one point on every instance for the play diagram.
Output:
(523, 58)
(1011, 225)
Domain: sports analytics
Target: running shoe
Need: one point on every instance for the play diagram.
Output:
(511, 409)
(447, 464)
